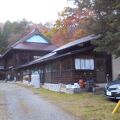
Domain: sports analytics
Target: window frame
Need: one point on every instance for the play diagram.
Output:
(85, 66)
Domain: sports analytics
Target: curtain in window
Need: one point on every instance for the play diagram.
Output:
(84, 64)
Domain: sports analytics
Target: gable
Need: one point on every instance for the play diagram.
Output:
(36, 39)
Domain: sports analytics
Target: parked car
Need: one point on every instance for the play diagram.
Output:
(112, 89)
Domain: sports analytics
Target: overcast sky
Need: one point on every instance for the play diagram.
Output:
(32, 10)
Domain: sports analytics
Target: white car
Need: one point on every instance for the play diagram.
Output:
(112, 89)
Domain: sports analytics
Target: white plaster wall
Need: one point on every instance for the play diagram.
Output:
(115, 67)
(53, 87)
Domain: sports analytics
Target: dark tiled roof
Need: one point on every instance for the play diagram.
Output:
(77, 42)
(23, 45)
(35, 46)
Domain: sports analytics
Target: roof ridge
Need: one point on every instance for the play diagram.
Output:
(35, 31)
(78, 41)
(26, 36)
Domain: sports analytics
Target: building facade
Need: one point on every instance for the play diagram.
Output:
(70, 63)
(35, 55)
(29, 48)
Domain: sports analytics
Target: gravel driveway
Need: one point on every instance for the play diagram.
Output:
(19, 103)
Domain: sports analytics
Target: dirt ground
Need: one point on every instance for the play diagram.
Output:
(18, 103)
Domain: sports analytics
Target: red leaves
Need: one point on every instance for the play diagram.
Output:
(70, 26)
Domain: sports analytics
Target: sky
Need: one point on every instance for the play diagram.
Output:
(37, 11)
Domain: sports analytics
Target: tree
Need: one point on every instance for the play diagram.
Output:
(105, 20)
(4, 35)
(17, 30)
(3, 41)
(66, 28)
(10, 32)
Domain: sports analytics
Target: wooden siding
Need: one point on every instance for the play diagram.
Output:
(60, 72)
(22, 57)
(63, 70)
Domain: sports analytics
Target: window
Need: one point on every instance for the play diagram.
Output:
(84, 64)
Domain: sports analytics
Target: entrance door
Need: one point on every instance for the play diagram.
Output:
(100, 70)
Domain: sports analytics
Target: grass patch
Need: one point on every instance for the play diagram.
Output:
(84, 105)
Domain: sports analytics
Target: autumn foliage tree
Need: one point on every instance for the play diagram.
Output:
(71, 25)
(105, 20)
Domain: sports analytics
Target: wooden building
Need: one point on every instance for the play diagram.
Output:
(70, 63)
(29, 48)
(2, 70)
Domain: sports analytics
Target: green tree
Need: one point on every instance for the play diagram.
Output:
(3, 41)
(105, 20)
(11, 32)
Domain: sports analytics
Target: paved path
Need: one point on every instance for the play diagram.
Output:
(19, 103)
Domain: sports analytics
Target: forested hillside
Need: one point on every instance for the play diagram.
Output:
(86, 17)
(10, 32)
